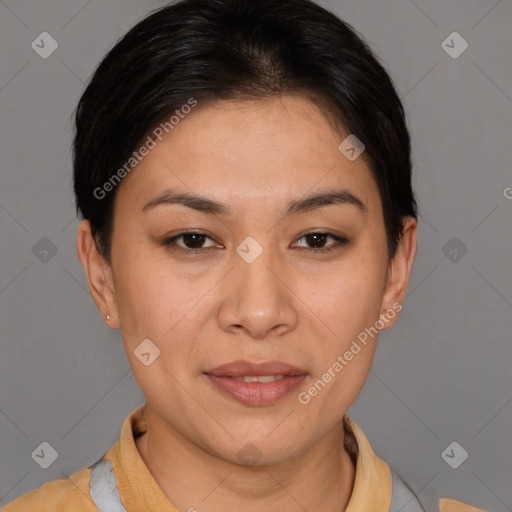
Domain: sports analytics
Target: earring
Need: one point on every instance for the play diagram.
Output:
(108, 317)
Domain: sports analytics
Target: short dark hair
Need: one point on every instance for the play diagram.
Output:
(212, 50)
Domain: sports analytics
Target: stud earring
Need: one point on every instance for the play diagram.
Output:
(108, 317)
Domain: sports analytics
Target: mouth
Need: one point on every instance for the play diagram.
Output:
(259, 378)
(256, 384)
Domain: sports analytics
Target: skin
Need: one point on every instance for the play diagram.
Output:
(210, 308)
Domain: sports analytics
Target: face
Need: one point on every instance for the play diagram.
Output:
(223, 258)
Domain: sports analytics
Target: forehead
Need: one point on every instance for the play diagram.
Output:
(267, 150)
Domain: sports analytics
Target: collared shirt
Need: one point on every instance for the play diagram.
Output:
(121, 482)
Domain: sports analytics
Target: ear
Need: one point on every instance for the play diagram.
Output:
(399, 271)
(98, 273)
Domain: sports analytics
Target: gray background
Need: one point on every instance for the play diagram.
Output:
(442, 374)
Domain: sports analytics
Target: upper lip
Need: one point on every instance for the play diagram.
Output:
(242, 368)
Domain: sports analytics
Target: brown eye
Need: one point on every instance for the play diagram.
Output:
(191, 242)
(316, 241)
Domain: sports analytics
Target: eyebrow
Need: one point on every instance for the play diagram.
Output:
(305, 204)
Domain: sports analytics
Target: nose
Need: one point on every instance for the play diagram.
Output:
(258, 302)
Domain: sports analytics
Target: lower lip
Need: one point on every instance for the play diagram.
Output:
(257, 393)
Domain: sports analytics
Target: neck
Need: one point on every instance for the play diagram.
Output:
(191, 478)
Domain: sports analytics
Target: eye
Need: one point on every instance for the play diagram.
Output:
(318, 240)
(193, 242)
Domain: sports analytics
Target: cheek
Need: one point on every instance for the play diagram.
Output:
(349, 305)
(343, 358)
(158, 301)
(348, 299)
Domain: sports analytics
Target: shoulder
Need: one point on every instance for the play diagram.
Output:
(449, 505)
(375, 479)
(404, 500)
(57, 496)
(77, 492)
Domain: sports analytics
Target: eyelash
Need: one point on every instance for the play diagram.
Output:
(340, 241)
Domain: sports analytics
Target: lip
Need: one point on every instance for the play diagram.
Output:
(256, 393)
(240, 368)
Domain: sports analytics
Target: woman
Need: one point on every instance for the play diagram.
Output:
(243, 171)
